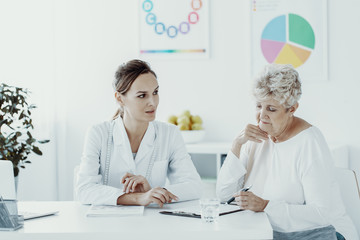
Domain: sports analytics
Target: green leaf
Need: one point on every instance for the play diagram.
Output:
(15, 113)
(36, 150)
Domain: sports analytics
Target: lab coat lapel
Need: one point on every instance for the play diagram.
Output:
(147, 144)
(122, 144)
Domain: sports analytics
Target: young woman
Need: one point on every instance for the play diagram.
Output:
(127, 160)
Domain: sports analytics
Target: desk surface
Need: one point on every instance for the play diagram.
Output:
(71, 223)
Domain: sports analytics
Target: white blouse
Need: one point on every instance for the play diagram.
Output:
(170, 160)
(296, 176)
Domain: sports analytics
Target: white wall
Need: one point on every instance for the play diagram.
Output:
(27, 60)
(70, 50)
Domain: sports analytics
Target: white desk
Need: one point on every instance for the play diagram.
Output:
(71, 223)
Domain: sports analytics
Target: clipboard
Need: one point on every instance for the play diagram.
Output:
(194, 214)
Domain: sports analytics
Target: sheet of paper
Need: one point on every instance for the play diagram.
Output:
(108, 211)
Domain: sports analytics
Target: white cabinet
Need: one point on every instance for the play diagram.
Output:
(219, 151)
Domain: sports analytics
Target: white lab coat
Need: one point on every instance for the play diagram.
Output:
(171, 161)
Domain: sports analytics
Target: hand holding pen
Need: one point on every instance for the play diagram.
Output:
(242, 190)
(249, 201)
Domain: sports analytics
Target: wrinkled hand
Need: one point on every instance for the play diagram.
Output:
(135, 183)
(156, 195)
(249, 201)
(252, 133)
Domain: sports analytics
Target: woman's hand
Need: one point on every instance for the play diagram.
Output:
(249, 201)
(156, 195)
(252, 133)
(135, 183)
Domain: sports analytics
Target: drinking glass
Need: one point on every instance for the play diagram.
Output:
(210, 210)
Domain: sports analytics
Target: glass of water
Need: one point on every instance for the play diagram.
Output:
(210, 209)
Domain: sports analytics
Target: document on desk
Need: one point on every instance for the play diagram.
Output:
(114, 211)
(194, 211)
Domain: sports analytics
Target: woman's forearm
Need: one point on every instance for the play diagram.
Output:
(129, 199)
(236, 147)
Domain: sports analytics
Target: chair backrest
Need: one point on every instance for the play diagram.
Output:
(350, 192)
(76, 171)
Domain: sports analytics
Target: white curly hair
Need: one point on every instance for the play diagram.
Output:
(279, 82)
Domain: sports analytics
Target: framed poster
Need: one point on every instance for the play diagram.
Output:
(174, 28)
(290, 32)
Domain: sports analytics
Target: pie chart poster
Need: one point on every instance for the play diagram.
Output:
(290, 32)
(174, 29)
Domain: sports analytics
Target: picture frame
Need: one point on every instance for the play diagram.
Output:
(176, 29)
(290, 32)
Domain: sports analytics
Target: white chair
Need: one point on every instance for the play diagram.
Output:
(349, 188)
(76, 171)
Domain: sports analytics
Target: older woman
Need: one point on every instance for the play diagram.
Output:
(287, 162)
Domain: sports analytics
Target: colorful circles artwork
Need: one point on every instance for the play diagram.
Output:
(172, 31)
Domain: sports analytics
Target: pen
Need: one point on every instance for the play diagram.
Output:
(242, 190)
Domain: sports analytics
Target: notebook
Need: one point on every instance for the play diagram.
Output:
(7, 190)
(114, 211)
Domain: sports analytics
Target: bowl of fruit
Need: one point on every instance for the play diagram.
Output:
(190, 126)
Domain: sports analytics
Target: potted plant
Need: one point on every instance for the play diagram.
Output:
(16, 140)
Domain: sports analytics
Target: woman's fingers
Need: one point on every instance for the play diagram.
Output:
(130, 185)
(241, 201)
(249, 201)
(254, 139)
(173, 197)
(163, 195)
(156, 200)
(126, 183)
(256, 132)
(127, 175)
(169, 196)
(250, 132)
(157, 195)
(160, 196)
(134, 184)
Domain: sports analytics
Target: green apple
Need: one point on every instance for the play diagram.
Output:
(186, 113)
(183, 120)
(196, 119)
(172, 119)
(183, 127)
(196, 126)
